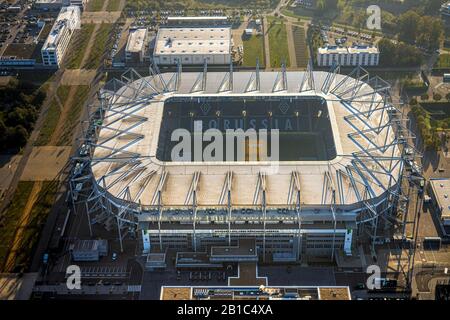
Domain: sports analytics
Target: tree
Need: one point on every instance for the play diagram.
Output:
(447, 96)
(408, 24)
(430, 33)
(387, 52)
(398, 55)
(436, 34)
(19, 135)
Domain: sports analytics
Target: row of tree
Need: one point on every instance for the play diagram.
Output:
(428, 130)
(424, 31)
(19, 109)
(399, 55)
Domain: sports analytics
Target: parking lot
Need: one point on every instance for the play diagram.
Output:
(338, 36)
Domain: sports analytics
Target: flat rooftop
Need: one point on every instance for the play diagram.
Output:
(202, 18)
(348, 50)
(246, 247)
(69, 17)
(441, 190)
(254, 293)
(193, 40)
(136, 39)
(176, 293)
(334, 294)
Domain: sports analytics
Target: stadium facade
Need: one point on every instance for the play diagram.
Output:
(340, 168)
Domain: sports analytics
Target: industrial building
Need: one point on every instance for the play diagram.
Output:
(313, 201)
(58, 40)
(193, 45)
(137, 45)
(361, 55)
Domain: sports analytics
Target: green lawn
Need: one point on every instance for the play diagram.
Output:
(31, 231)
(50, 123)
(39, 214)
(73, 116)
(11, 217)
(278, 44)
(78, 46)
(95, 5)
(443, 61)
(253, 49)
(113, 5)
(301, 47)
(54, 114)
(63, 93)
(100, 46)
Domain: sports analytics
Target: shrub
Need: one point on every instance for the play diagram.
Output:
(413, 101)
(437, 97)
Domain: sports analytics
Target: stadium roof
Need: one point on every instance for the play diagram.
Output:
(125, 164)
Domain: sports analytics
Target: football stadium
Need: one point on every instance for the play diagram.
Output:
(335, 178)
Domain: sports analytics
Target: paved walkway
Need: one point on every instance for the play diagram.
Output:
(291, 46)
(266, 42)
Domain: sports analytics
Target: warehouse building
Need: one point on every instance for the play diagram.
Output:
(362, 55)
(59, 38)
(193, 45)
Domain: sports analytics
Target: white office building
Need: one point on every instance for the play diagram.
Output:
(362, 55)
(193, 45)
(58, 40)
